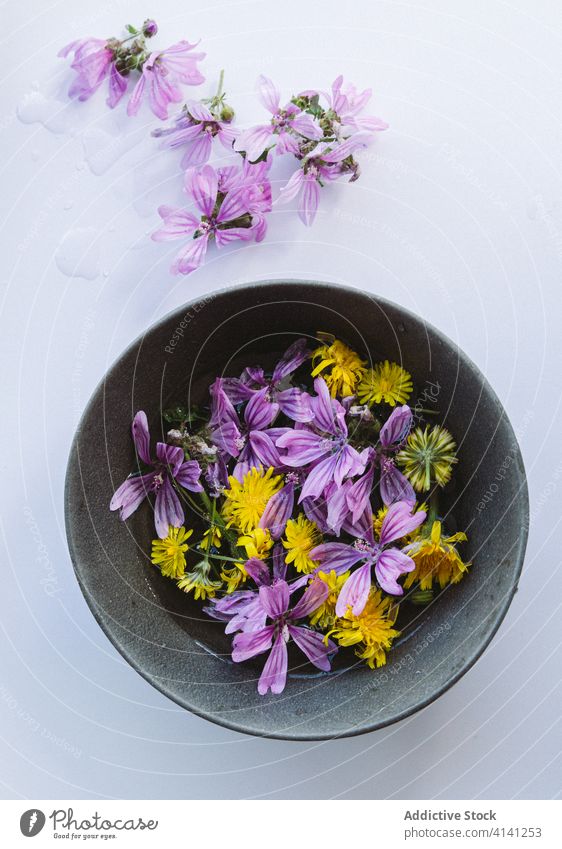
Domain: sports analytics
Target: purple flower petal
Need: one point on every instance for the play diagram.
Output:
(117, 87)
(302, 447)
(313, 646)
(141, 436)
(295, 404)
(198, 151)
(245, 646)
(191, 257)
(355, 591)
(278, 510)
(394, 486)
(390, 565)
(275, 599)
(397, 427)
(279, 563)
(337, 556)
(178, 223)
(131, 494)
(319, 477)
(293, 357)
(358, 495)
(167, 509)
(170, 455)
(258, 571)
(310, 199)
(188, 476)
(254, 141)
(399, 521)
(274, 675)
(202, 185)
(260, 411)
(316, 594)
(268, 94)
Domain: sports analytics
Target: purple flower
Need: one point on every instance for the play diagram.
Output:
(219, 219)
(251, 441)
(324, 446)
(292, 401)
(93, 62)
(389, 562)
(286, 126)
(324, 164)
(347, 103)
(275, 600)
(149, 28)
(170, 466)
(278, 510)
(394, 486)
(161, 76)
(195, 128)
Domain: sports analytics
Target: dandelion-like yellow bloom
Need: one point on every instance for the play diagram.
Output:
(199, 583)
(234, 577)
(372, 632)
(257, 543)
(301, 536)
(437, 559)
(340, 367)
(386, 382)
(428, 456)
(325, 615)
(245, 502)
(169, 553)
(212, 538)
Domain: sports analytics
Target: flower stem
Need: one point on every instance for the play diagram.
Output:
(221, 82)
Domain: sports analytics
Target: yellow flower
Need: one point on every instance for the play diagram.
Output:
(437, 560)
(169, 553)
(340, 367)
(257, 543)
(372, 631)
(386, 382)
(325, 615)
(246, 501)
(198, 582)
(301, 536)
(428, 456)
(234, 577)
(212, 538)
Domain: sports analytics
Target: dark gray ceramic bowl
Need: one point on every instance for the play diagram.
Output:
(164, 635)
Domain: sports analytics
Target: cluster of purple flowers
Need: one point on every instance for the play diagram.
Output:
(322, 131)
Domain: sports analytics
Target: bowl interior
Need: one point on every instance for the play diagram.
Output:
(165, 635)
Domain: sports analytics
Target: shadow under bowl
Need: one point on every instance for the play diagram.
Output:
(167, 638)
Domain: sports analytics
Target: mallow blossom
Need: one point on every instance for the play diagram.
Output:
(224, 216)
(394, 486)
(389, 562)
(344, 105)
(283, 627)
(169, 467)
(287, 125)
(162, 74)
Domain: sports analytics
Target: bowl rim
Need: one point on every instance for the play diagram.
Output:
(519, 551)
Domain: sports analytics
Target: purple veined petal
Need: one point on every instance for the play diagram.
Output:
(245, 646)
(286, 143)
(268, 94)
(323, 408)
(399, 521)
(233, 234)
(202, 185)
(260, 411)
(346, 148)
(336, 500)
(222, 408)
(69, 48)
(178, 223)
(397, 427)
(275, 599)
(264, 449)
(254, 141)
(274, 675)
(306, 126)
(161, 92)
(131, 494)
(279, 563)
(180, 62)
(170, 455)
(236, 390)
(227, 135)
(191, 257)
(278, 510)
(318, 478)
(167, 509)
(313, 646)
(141, 436)
(337, 556)
(188, 476)
(295, 404)
(302, 447)
(233, 206)
(394, 486)
(254, 375)
(134, 103)
(390, 565)
(358, 495)
(295, 355)
(309, 200)
(198, 110)
(363, 527)
(315, 511)
(198, 151)
(370, 124)
(355, 591)
(316, 594)
(291, 189)
(258, 571)
(174, 138)
(226, 436)
(117, 87)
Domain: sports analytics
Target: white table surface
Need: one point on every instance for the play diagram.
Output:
(457, 216)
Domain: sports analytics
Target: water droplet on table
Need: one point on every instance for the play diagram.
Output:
(78, 254)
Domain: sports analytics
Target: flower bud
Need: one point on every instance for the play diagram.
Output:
(227, 113)
(149, 28)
